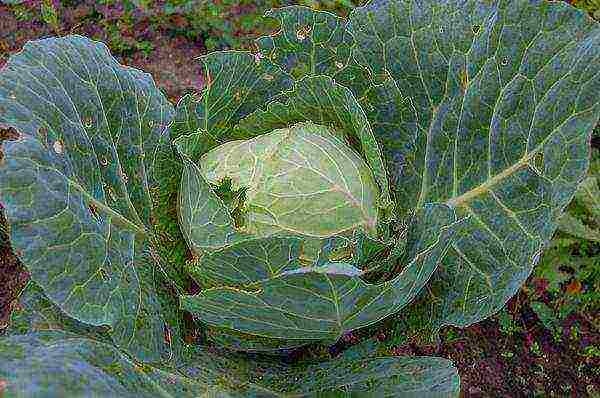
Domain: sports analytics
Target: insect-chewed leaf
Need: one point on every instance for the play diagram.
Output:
(489, 109)
(237, 83)
(309, 43)
(58, 364)
(76, 183)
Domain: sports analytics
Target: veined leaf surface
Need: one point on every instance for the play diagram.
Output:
(76, 184)
(310, 43)
(321, 303)
(486, 106)
(237, 84)
(68, 360)
(59, 364)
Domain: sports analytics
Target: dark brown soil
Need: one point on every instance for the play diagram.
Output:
(526, 363)
(13, 276)
(493, 362)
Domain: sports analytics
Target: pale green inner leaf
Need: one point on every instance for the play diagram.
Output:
(300, 180)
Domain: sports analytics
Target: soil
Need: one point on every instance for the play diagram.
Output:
(492, 363)
(13, 276)
(523, 364)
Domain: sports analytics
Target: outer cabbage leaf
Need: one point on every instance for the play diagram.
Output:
(73, 360)
(248, 263)
(58, 364)
(36, 313)
(236, 84)
(49, 354)
(77, 183)
(310, 43)
(361, 371)
(486, 106)
(321, 303)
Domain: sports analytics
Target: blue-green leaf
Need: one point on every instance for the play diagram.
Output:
(58, 364)
(322, 303)
(309, 43)
(76, 183)
(487, 106)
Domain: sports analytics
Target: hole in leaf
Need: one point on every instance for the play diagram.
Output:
(538, 163)
(104, 275)
(303, 32)
(58, 147)
(111, 194)
(504, 61)
(93, 210)
(43, 133)
(197, 96)
(9, 134)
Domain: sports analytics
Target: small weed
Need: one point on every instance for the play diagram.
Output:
(507, 354)
(508, 325)
(591, 6)
(591, 352)
(50, 15)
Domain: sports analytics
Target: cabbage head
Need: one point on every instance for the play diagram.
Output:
(402, 168)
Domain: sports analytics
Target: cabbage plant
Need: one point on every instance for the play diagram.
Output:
(411, 161)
